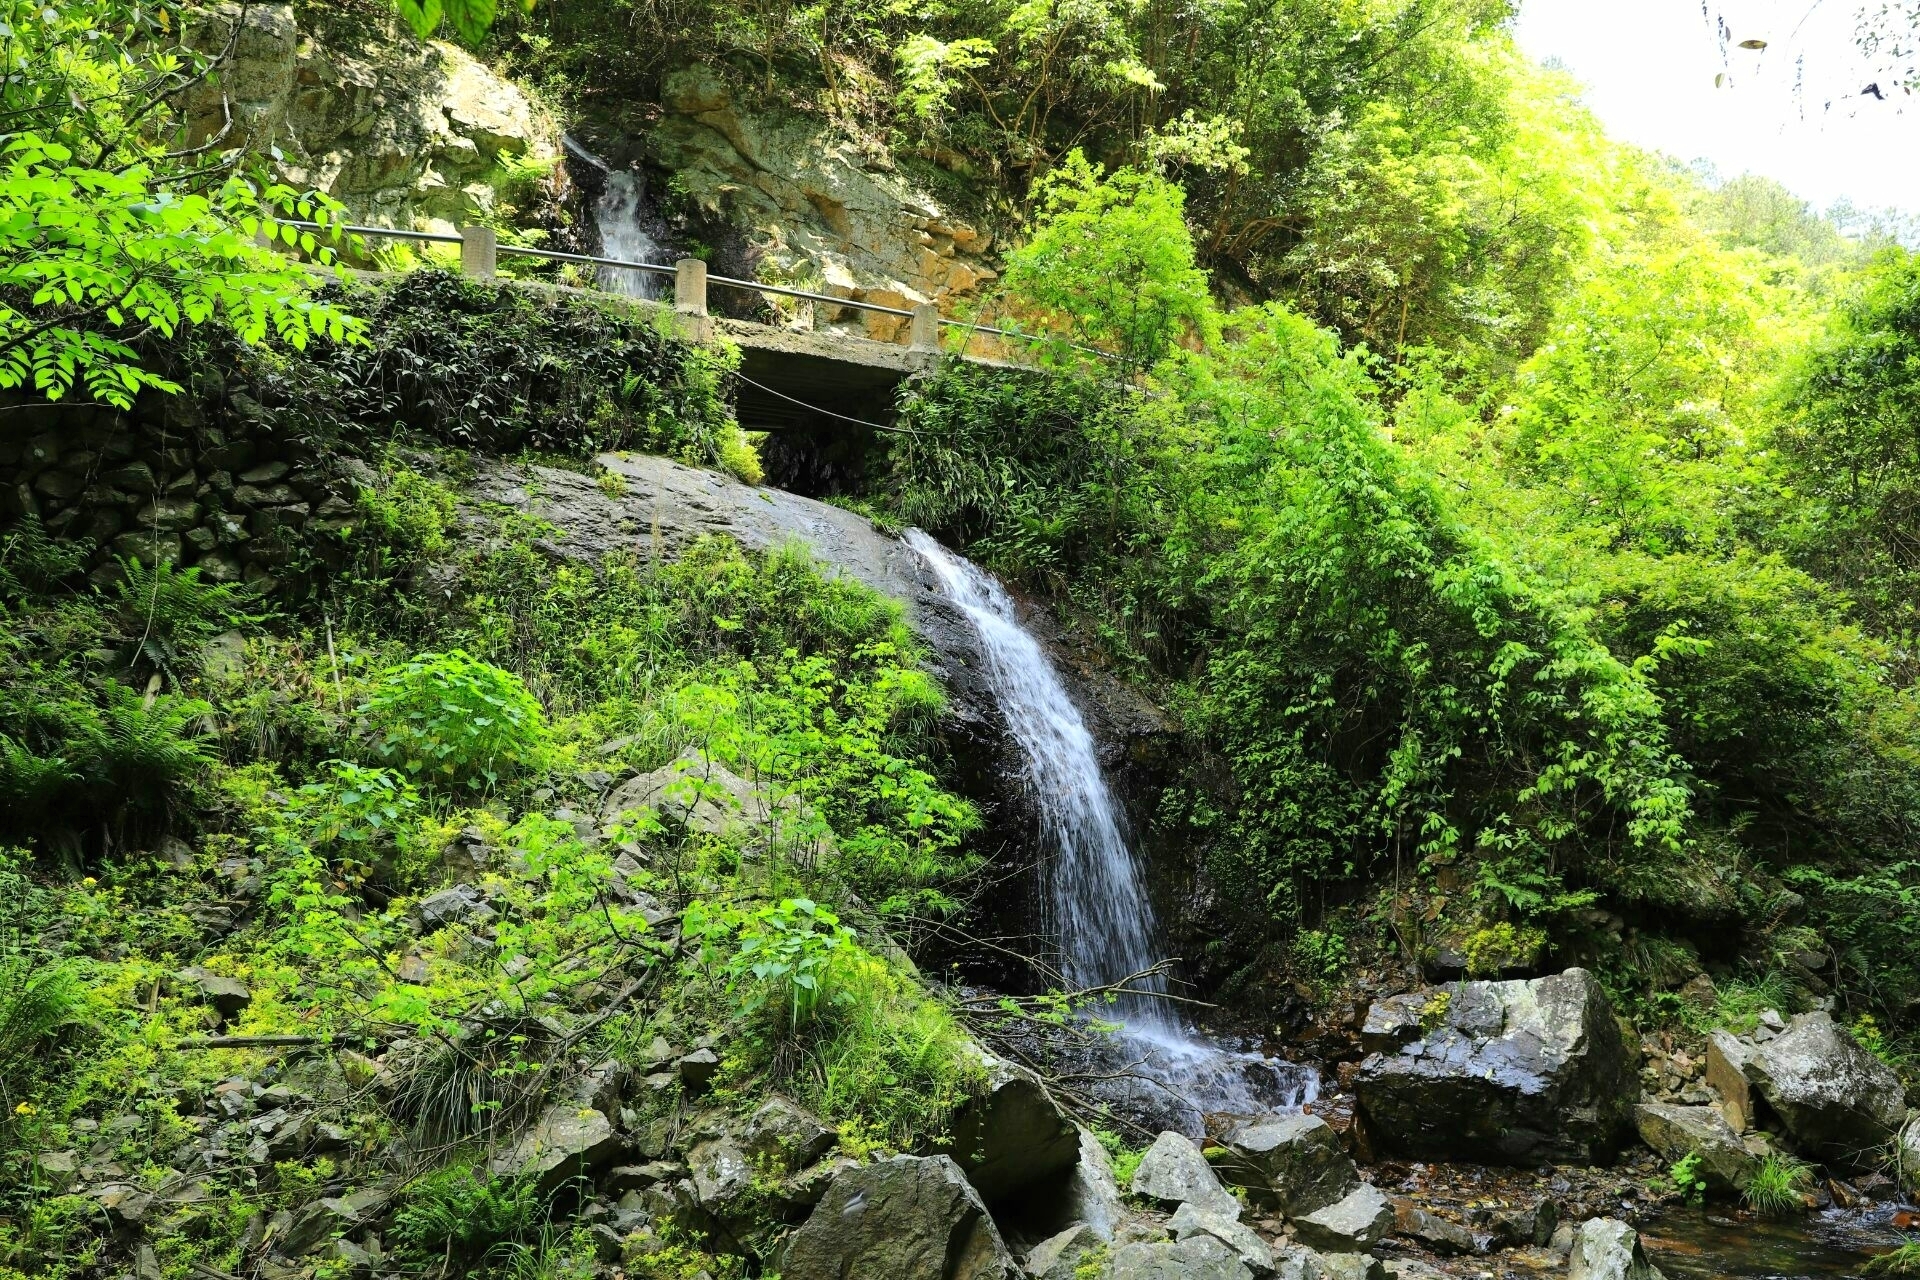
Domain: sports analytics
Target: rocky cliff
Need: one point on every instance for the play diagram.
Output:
(404, 132)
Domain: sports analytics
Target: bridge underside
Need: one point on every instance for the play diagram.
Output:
(817, 383)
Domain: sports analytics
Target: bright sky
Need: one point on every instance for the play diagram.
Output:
(1649, 68)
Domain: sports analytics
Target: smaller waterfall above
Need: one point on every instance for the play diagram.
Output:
(618, 214)
(1098, 910)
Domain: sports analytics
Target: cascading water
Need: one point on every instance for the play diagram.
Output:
(1097, 907)
(618, 215)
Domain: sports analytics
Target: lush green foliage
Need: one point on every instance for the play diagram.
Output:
(117, 228)
(456, 720)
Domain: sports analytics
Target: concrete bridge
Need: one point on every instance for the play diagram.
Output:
(791, 380)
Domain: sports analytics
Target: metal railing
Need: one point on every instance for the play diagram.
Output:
(480, 251)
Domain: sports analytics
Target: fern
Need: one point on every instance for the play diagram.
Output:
(31, 785)
(139, 749)
(32, 562)
(168, 613)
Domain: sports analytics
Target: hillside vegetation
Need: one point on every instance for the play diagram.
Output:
(1521, 532)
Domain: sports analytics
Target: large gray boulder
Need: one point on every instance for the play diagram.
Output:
(1294, 1162)
(1513, 1072)
(1608, 1249)
(1837, 1101)
(1058, 1257)
(565, 1142)
(1352, 1224)
(1677, 1132)
(1173, 1172)
(1727, 1056)
(908, 1218)
(1013, 1134)
(1198, 1257)
(1909, 1155)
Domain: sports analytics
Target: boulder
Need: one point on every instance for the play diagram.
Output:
(1296, 1162)
(1013, 1134)
(908, 1218)
(697, 1069)
(695, 792)
(461, 904)
(564, 1142)
(786, 1136)
(1058, 1256)
(1354, 1223)
(1092, 1196)
(1676, 1132)
(1191, 1220)
(228, 996)
(1510, 1226)
(1198, 1257)
(319, 1221)
(1173, 1172)
(722, 1176)
(1909, 1155)
(1608, 1249)
(1727, 1056)
(1395, 1021)
(1836, 1100)
(1516, 1072)
(1351, 1266)
(1431, 1230)
(1297, 1262)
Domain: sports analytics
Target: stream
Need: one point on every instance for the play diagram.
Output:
(1695, 1244)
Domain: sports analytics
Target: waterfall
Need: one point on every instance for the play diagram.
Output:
(1097, 908)
(618, 215)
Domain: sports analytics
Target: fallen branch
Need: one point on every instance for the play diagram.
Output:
(249, 1042)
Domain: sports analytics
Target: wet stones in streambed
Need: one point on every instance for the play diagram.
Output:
(1512, 1072)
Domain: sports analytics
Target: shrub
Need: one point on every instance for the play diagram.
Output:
(456, 720)
(786, 951)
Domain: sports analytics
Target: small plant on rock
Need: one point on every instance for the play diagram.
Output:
(457, 720)
(1687, 1178)
(1779, 1186)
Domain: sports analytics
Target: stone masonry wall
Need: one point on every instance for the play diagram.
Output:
(206, 480)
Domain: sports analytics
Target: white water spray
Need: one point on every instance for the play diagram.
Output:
(617, 214)
(1097, 906)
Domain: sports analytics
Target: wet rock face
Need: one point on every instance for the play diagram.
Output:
(908, 1218)
(1837, 1101)
(1510, 1072)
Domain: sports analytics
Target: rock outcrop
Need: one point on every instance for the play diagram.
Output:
(1515, 1071)
(404, 132)
(908, 1218)
(816, 206)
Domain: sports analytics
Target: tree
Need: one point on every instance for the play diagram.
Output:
(1112, 264)
(1850, 446)
(115, 227)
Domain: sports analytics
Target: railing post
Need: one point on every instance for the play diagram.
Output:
(925, 335)
(479, 252)
(690, 297)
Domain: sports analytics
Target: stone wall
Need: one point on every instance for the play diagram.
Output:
(210, 481)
